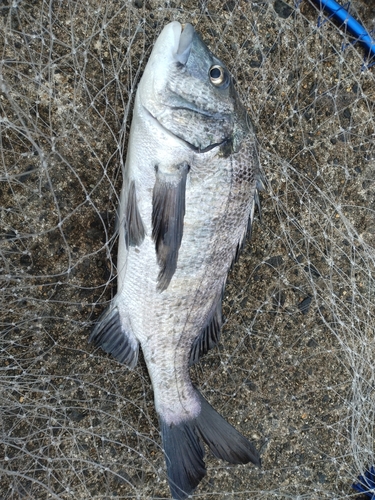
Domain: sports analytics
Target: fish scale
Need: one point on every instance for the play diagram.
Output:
(190, 186)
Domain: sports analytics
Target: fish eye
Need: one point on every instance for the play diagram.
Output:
(217, 75)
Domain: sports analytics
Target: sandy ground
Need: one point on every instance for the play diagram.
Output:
(76, 424)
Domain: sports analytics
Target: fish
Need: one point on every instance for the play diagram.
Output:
(191, 183)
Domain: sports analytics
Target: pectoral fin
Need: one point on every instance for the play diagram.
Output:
(168, 211)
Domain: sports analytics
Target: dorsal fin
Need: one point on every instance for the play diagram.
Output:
(209, 336)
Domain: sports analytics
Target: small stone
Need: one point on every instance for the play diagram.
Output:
(282, 9)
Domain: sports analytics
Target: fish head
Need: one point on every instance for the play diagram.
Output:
(190, 92)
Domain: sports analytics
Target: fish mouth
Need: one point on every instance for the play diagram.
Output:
(185, 43)
(191, 146)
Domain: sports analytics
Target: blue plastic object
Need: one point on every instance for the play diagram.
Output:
(366, 484)
(339, 14)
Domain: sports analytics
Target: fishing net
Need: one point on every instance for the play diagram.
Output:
(294, 370)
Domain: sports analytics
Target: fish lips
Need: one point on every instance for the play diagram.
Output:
(185, 44)
(176, 39)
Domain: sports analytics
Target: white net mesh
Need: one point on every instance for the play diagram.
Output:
(295, 367)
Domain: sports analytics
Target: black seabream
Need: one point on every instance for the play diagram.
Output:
(190, 186)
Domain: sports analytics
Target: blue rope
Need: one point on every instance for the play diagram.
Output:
(341, 15)
(366, 483)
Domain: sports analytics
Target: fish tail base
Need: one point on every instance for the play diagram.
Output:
(184, 451)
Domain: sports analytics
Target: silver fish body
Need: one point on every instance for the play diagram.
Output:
(190, 186)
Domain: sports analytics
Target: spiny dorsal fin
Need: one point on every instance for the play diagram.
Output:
(255, 205)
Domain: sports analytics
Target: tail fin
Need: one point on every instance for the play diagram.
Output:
(223, 439)
(184, 451)
(184, 457)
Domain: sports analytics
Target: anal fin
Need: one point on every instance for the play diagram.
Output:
(109, 334)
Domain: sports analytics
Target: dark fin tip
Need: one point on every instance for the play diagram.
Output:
(209, 336)
(184, 457)
(258, 206)
(110, 336)
(184, 451)
(223, 439)
(168, 211)
(134, 228)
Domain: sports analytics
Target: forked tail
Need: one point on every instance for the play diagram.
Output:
(184, 451)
